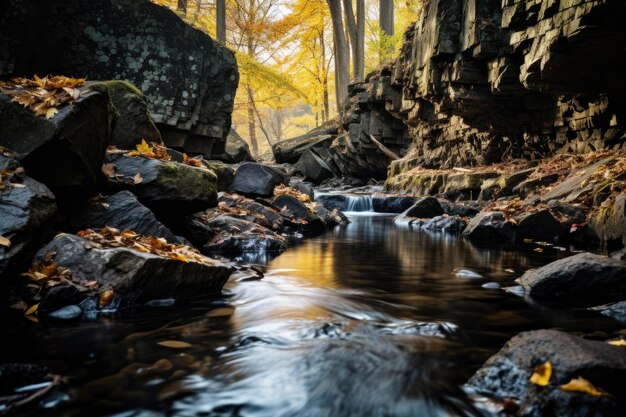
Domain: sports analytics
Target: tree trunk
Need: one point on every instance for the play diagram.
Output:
(325, 115)
(356, 32)
(251, 121)
(386, 26)
(342, 62)
(182, 6)
(221, 21)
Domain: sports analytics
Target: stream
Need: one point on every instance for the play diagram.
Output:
(369, 319)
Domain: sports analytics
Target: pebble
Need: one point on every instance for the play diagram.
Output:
(491, 285)
(67, 313)
(467, 274)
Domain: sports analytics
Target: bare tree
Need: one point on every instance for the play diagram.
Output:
(182, 6)
(342, 60)
(221, 21)
(356, 34)
(386, 24)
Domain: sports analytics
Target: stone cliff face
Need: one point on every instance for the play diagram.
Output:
(189, 80)
(483, 81)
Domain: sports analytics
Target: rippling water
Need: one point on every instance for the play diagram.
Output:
(367, 320)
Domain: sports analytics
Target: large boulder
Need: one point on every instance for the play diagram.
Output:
(133, 276)
(64, 152)
(539, 225)
(233, 236)
(609, 223)
(290, 150)
(333, 201)
(133, 122)
(168, 188)
(244, 208)
(122, 211)
(189, 80)
(490, 227)
(25, 207)
(424, 208)
(584, 279)
(256, 180)
(507, 375)
(392, 203)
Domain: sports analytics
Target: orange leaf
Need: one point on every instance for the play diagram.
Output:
(541, 374)
(581, 385)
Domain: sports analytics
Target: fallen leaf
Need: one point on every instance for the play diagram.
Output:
(174, 344)
(541, 374)
(538, 250)
(31, 310)
(581, 385)
(5, 242)
(618, 342)
(137, 179)
(105, 299)
(51, 112)
(143, 147)
(108, 170)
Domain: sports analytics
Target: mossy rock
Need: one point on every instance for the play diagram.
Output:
(134, 122)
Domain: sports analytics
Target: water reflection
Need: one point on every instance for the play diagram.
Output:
(368, 320)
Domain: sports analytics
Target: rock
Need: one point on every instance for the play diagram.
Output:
(491, 286)
(584, 279)
(290, 150)
(170, 189)
(528, 187)
(333, 201)
(331, 217)
(573, 214)
(467, 274)
(304, 188)
(64, 152)
(256, 180)
(391, 203)
(424, 208)
(466, 209)
(233, 236)
(490, 227)
(576, 184)
(313, 167)
(189, 80)
(300, 217)
(121, 211)
(609, 224)
(540, 225)
(616, 311)
(25, 209)
(503, 186)
(252, 211)
(135, 277)
(236, 150)
(225, 174)
(507, 375)
(447, 224)
(70, 312)
(16, 375)
(133, 121)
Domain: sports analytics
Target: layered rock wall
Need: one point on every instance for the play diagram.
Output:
(189, 80)
(483, 81)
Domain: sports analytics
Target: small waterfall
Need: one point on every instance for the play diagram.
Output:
(359, 203)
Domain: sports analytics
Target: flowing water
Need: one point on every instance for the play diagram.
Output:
(369, 319)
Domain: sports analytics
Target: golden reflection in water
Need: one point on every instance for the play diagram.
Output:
(314, 264)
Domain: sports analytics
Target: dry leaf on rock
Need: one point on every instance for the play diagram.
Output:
(174, 344)
(618, 342)
(583, 386)
(137, 179)
(541, 374)
(5, 242)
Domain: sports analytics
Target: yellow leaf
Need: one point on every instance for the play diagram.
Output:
(581, 385)
(618, 342)
(105, 299)
(5, 242)
(143, 147)
(31, 310)
(174, 344)
(541, 375)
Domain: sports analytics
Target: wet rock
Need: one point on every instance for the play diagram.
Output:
(465, 209)
(331, 217)
(236, 150)
(616, 311)
(491, 286)
(252, 211)
(447, 224)
(584, 279)
(136, 277)
(58, 296)
(133, 121)
(256, 180)
(230, 235)
(189, 80)
(15, 375)
(64, 152)
(304, 188)
(609, 224)
(424, 208)
(503, 186)
(25, 210)
(540, 225)
(507, 375)
(170, 189)
(490, 227)
(333, 201)
(122, 211)
(392, 204)
(301, 218)
(528, 187)
(467, 274)
(572, 213)
(70, 312)
(314, 168)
